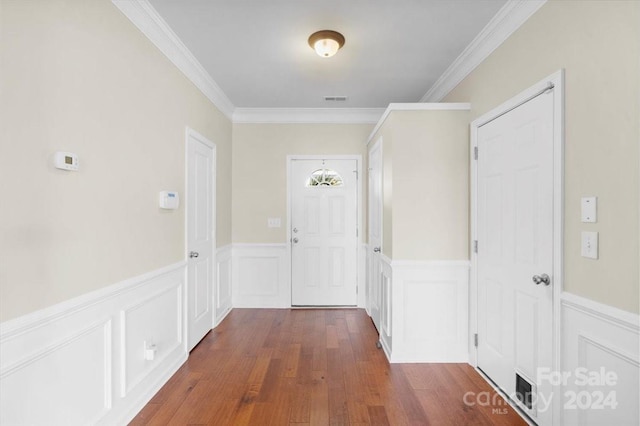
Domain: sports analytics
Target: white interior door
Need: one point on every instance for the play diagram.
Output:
(374, 282)
(515, 251)
(323, 232)
(200, 236)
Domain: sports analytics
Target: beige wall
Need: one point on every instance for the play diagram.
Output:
(426, 185)
(598, 45)
(260, 170)
(431, 185)
(78, 76)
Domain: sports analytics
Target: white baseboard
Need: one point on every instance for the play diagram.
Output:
(594, 337)
(82, 361)
(260, 277)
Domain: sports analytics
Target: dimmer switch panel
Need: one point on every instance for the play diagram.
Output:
(589, 246)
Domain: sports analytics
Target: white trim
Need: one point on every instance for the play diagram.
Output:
(433, 106)
(603, 312)
(423, 264)
(508, 19)
(17, 326)
(259, 245)
(360, 280)
(557, 79)
(142, 14)
(307, 115)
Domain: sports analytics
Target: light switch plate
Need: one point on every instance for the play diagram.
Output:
(274, 222)
(588, 209)
(589, 246)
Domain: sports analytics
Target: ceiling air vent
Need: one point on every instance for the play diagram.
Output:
(335, 98)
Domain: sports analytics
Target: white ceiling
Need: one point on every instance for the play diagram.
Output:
(257, 51)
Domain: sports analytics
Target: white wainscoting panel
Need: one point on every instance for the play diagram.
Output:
(363, 267)
(223, 283)
(82, 361)
(431, 321)
(424, 310)
(260, 276)
(387, 307)
(598, 338)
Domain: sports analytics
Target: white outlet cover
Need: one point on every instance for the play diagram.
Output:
(589, 245)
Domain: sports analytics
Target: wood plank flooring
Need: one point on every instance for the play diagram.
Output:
(316, 367)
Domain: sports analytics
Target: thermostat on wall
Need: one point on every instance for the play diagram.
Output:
(169, 200)
(66, 161)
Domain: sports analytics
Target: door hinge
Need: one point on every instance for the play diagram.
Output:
(356, 172)
(475, 340)
(475, 152)
(475, 246)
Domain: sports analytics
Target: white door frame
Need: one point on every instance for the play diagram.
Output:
(190, 133)
(380, 144)
(557, 79)
(359, 216)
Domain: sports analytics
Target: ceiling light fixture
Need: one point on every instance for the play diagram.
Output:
(326, 42)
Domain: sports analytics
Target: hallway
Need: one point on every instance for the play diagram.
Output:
(316, 367)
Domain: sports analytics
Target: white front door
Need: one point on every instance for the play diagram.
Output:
(323, 232)
(515, 252)
(200, 236)
(374, 282)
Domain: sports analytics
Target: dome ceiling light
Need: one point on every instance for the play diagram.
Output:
(326, 42)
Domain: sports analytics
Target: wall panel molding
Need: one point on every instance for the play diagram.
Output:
(430, 311)
(598, 339)
(261, 276)
(71, 360)
(424, 310)
(223, 284)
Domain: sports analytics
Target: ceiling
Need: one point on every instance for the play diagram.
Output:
(257, 52)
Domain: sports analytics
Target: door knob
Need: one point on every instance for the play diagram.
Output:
(295, 241)
(194, 254)
(541, 279)
(295, 230)
(376, 249)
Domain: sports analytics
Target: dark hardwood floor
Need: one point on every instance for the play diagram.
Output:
(316, 367)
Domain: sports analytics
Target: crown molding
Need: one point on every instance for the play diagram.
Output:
(151, 24)
(433, 106)
(508, 19)
(308, 115)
